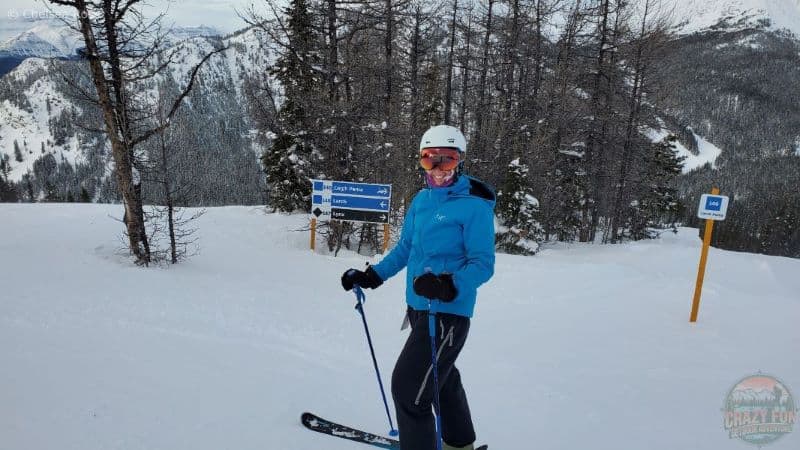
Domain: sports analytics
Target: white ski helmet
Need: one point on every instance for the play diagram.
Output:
(443, 136)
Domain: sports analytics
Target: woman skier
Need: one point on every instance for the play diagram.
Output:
(447, 248)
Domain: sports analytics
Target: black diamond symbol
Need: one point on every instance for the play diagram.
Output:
(317, 212)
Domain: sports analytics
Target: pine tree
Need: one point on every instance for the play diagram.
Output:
(520, 231)
(8, 193)
(287, 163)
(17, 152)
(85, 198)
(657, 205)
(27, 182)
(5, 167)
(288, 181)
(295, 68)
(567, 184)
(51, 193)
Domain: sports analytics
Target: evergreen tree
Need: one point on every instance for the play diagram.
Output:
(296, 68)
(27, 181)
(520, 231)
(566, 194)
(5, 167)
(8, 193)
(657, 205)
(85, 198)
(287, 163)
(51, 193)
(288, 181)
(17, 152)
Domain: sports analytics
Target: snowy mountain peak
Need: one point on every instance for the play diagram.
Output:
(41, 41)
(703, 15)
(54, 39)
(177, 34)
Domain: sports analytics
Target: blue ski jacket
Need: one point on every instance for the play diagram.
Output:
(446, 230)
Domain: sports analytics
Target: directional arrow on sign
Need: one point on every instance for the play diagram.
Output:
(359, 215)
(348, 201)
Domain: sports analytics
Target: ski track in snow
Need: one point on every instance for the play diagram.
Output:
(581, 346)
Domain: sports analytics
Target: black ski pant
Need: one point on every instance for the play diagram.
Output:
(412, 384)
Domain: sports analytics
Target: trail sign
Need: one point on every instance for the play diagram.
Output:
(356, 202)
(345, 200)
(713, 207)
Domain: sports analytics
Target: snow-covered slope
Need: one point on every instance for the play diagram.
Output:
(707, 153)
(30, 129)
(699, 15)
(579, 347)
(45, 38)
(37, 81)
(54, 39)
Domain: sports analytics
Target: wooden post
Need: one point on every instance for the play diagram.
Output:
(701, 270)
(313, 232)
(385, 237)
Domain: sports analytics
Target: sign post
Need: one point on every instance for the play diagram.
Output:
(355, 202)
(313, 233)
(712, 207)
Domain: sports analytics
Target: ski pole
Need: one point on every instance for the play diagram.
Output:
(360, 300)
(435, 370)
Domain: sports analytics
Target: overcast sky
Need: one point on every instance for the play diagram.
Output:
(220, 14)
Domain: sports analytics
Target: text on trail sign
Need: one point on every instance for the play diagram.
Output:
(348, 188)
(357, 215)
(713, 207)
(344, 200)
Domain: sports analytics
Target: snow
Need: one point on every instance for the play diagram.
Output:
(574, 348)
(30, 129)
(531, 200)
(707, 153)
(572, 153)
(700, 15)
(47, 38)
(33, 126)
(52, 37)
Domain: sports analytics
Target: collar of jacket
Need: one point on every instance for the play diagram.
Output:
(464, 186)
(459, 187)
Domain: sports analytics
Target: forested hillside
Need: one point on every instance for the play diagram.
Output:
(574, 110)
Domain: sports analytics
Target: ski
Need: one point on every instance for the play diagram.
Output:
(324, 426)
(320, 425)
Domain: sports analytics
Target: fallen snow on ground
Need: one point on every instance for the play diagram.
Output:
(579, 347)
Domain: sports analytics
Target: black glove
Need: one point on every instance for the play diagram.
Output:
(434, 287)
(367, 279)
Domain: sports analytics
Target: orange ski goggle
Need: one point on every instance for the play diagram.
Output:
(446, 158)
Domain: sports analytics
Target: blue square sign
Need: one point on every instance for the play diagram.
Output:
(713, 203)
(713, 207)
